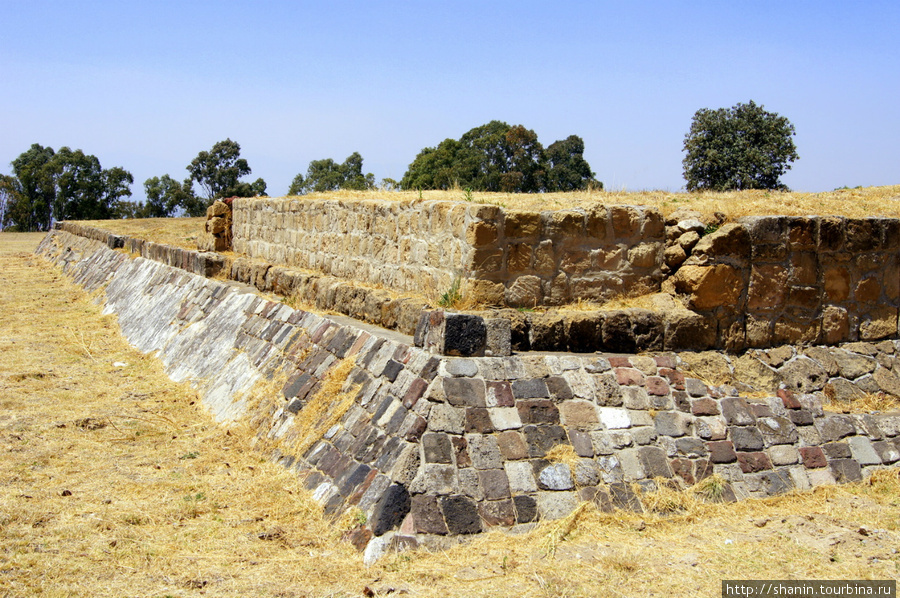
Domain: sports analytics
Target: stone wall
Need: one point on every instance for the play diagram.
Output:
(430, 447)
(502, 257)
(769, 281)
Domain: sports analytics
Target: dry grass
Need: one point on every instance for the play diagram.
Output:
(179, 232)
(115, 481)
(854, 203)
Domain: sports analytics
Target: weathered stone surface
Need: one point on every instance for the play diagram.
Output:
(556, 477)
(461, 514)
(708, 287)
(672, 423)
(736, 412)
(862, 451)
(721, 451)
(851, 365)
(802, 374)
(835, 427)
(845, 470)
(427, 515)
(391, 509)
(777, 430)
(746, 438)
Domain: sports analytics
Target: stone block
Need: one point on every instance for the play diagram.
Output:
(777, 430)
(887, 451)
(672, 423)
(736, 412)
(721, 451)
(556, 505)
(478, 420)
(654, 462)
(484, 452)
(704, 406)
(526, 509)
(465, 392)
(461, 514)
(837, 450)
(845, 470)
(577, 413)
(614, 418)
(436, 448)
(709, 287)
(540, 439)
(753, 462)
(862, 451)
(494, 484)
(783, 455)
(556, 476)
(511, 445)
(427, 515)
(497, 513)
(538, 411)
(746, 438)
(632, 467)
(498, 341)
(835, 427)
(504, 418)
(390, 511)
(446, 418)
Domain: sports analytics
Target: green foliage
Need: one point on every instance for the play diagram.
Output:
(500, 157)
(742, 147)
(218, 170)
(452, 296)
(328, 175)
(165, 195)
(64, 185)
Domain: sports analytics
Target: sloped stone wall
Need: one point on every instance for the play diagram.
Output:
(436, 446)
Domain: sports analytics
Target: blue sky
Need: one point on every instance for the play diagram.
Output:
(148, 85)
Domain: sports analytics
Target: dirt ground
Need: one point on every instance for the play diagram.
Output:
(115, 481)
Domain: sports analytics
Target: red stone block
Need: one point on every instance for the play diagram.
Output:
(751, 462)
(813, 457)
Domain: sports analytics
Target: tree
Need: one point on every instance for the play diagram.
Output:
(742, 147)
(567, 170)
(218, 170)
(64, 185)
(500, 157)
(165, 195)
(328, 175)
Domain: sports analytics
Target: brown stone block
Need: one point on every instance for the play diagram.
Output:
(759, 331)
(804, 297)
(512, 445)
(519, 258)
(626, 221)
(804, 268)
(645, 255)
(868, 290)
(802, 233)
(575, 262)
(487, 260)
(831, 233)
(563, 224)
(863, 234)
(891, 278)
(721, 451)
(796, 329)
(485, 292)
(730, 240)
(596, 222)
(890, 234)
(654, 225)
(880, 323)
(753, 462)
(480, 234)
(545, 258)
(522, 225)
(768, 286)
(709, 287)
(837, 284)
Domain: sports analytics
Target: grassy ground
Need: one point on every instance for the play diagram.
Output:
(114, 481)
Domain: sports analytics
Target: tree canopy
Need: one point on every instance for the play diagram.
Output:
(500, 157)
(742, 147)
(48, 186)
(328, 175)
(218, 170)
